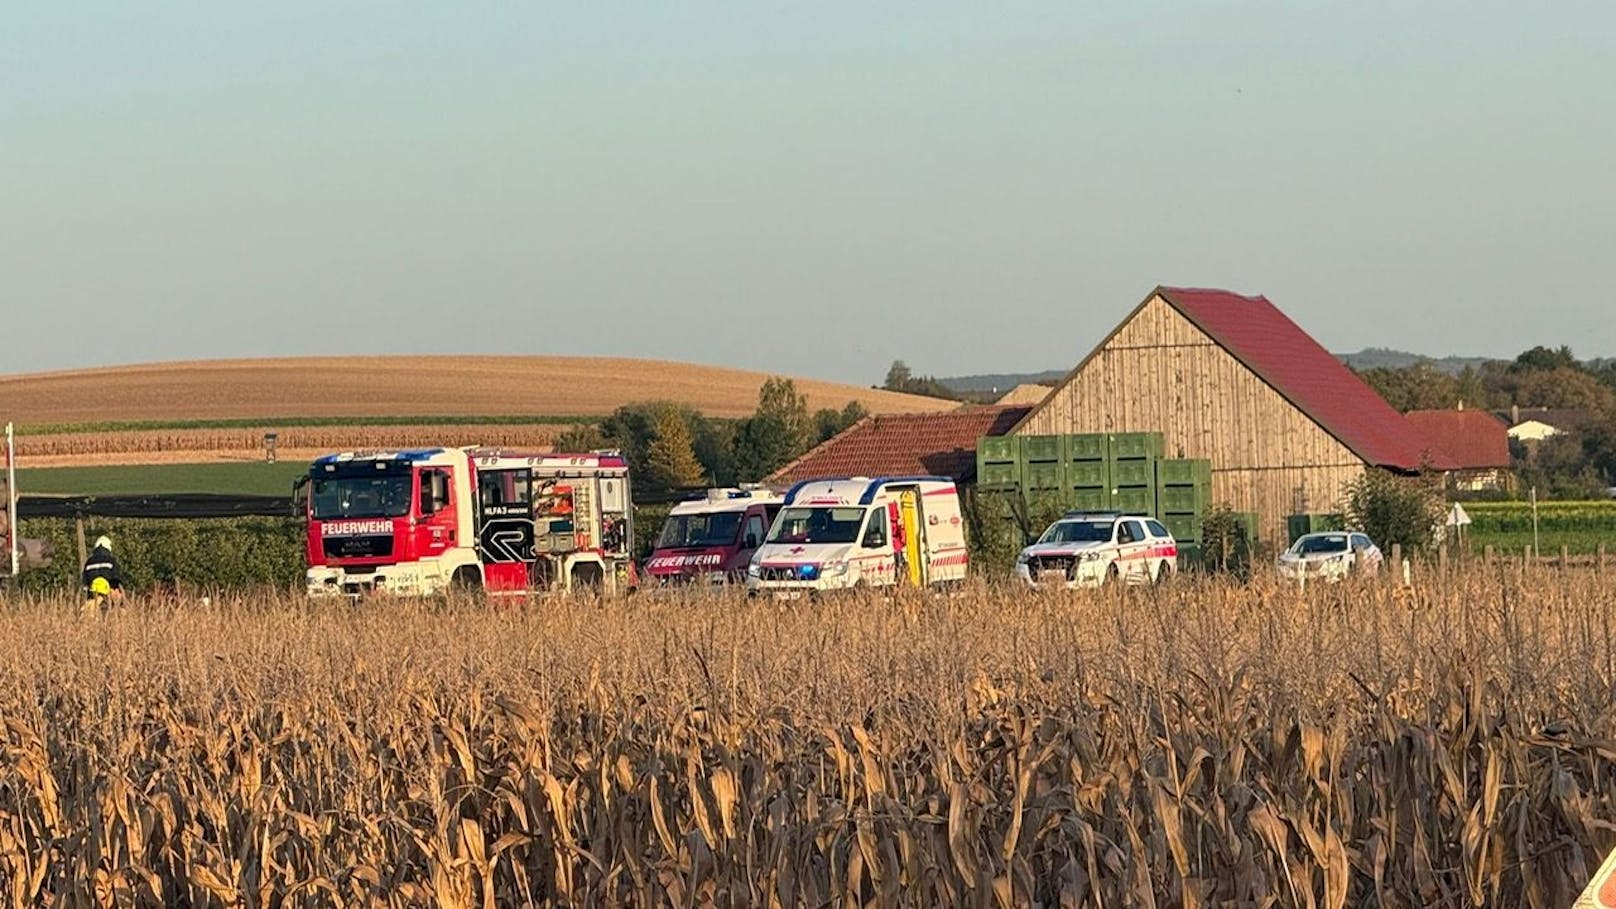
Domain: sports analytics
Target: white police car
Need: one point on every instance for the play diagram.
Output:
(1095, 548)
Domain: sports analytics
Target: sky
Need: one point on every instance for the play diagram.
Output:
(812, 189)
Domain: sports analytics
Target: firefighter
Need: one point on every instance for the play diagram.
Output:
(102, 578)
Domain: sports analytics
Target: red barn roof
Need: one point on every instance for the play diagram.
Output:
(1474, 439)
(1257, 334)
(938, 444)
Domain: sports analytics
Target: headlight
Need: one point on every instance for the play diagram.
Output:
(1022, 557)
(1090, 556)
(753, 569)
(835, 569)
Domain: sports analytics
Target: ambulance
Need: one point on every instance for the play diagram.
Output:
(710, 537)
(862, 532)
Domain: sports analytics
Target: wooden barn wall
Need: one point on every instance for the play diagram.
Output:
(1161, 373)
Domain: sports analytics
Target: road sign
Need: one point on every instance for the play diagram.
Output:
(1601, 892)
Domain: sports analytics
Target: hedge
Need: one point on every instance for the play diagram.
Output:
(208, 553)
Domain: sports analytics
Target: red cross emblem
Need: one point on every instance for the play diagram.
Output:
(795, 550)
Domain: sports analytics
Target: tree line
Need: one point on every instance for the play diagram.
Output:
(1572, 465)
(672, 447)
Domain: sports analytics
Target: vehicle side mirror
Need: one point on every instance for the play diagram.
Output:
(751, 541)
(300, 497)
(875, 541)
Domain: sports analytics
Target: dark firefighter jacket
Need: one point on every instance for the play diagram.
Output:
(101, 564)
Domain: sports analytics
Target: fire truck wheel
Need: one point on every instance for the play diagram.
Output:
(466, 580)
(587, 578)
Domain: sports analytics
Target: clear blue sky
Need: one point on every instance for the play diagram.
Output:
(810, 188)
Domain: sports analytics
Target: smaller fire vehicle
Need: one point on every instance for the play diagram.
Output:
(710, 538)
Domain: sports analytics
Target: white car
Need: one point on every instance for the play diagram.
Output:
(1092, 549)
(1329, 556)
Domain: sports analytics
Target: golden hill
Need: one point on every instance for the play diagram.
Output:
(397, 386)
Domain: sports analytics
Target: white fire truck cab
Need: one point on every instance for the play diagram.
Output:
(418, 522)
(863, 531)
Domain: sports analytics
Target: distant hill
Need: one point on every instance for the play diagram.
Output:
(1386, 358)
(1002, 382)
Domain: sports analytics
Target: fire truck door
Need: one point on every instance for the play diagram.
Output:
(506, 538)
(913, 547)
(435, 529)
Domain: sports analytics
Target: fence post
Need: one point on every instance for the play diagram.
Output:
(1599, 564)
(1442, 560)
(1526, 562)
(78, 527)
(1565, 557)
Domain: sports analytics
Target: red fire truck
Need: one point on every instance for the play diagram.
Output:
(418, 522)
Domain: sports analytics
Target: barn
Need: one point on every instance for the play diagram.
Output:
(1232, 379)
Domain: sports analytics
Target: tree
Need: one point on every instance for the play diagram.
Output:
(1542, 358)
(1564, 387)
(777, 432)
(632, 428)
(898, 377)
(829, 421)
(1394, 510)
(670, 461)
(580, 437)
(1418, 387)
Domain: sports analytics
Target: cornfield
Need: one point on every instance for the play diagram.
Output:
(1206, 745)
(321, 438)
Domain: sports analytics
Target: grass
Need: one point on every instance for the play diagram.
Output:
(1206, 745)
(41, 429)
(244, 478)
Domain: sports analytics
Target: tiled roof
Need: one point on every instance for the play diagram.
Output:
(1474, 439)
(938, 444)
(1566, 419)
(1257, 334)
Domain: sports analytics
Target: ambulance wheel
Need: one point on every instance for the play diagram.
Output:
(1113, 576)
(1163, 575)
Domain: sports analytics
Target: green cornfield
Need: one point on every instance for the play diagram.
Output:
(1453, 744)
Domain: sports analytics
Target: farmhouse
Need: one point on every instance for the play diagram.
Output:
(1475, 441)
(1530, 425)
(931, 444)
(1230, 378)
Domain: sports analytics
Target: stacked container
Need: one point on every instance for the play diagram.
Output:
(1183, 495)
(1301, 524)
(1088, 471)
(1133, 457)
(998, 463)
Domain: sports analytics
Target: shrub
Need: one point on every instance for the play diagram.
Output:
(1393, 510)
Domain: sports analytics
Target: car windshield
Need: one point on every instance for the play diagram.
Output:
(361, 497)
(683, 531)
(1078, 532)
(817, 525)
(1321, 545)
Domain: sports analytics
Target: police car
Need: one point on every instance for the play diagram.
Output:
(1096, 548)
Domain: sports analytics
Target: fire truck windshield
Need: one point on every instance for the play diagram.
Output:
(360, 497)
(689, 530)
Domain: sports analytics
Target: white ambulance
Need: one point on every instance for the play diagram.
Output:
(862, 532)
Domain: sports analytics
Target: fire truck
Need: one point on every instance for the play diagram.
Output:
(419, 522)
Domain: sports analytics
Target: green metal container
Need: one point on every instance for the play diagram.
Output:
(1301, 524)
(1134, 499)
(998, 449)
(1091, 498)
(1133, 473)
(1189, 557)
(1092, 446)
(1088, 473)
(1043, 475)
(1002, 477)
(1132, 446)
(1183, 499)
(1183, 527)
(1248, 524)
(1043, 448)
(1184, 472)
